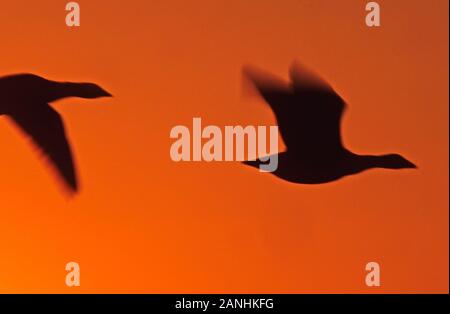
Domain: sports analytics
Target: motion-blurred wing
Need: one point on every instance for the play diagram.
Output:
(45, 126)
(308, 112)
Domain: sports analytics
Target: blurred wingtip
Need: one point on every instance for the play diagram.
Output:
(257, 80)
(69, 186)
(303, 77)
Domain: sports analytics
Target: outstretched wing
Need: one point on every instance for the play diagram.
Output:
(308, 111)
(45, 127)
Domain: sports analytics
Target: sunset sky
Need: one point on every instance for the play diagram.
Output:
(145, 224)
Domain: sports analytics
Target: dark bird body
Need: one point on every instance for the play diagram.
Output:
(309, 112)
(25, 98)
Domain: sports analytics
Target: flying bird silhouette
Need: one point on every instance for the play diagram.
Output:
(25, 98)
(308, 112)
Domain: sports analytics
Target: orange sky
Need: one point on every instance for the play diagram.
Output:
(144, 224)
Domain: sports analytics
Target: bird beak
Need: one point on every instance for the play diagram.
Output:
(106, 94)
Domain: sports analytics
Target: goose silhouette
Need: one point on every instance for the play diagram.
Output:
(308, 112)
(25, 98)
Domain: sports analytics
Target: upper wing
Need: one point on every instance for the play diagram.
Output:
(308, 112)
(45, 126)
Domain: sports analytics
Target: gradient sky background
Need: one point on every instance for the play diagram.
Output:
(144, 224)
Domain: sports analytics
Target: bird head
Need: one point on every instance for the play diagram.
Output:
(396, 161)
(91, 90)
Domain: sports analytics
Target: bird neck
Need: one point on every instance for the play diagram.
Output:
(61, 90)
(373, 161)
(72, 90)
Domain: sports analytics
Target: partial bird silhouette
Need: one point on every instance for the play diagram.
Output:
(25, 98)
(308, 112)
